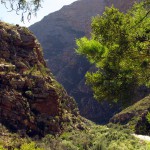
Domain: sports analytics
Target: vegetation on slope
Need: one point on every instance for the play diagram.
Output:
(94, 138)
(135, 117)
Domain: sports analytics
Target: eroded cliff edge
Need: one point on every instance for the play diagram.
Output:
(31, 100)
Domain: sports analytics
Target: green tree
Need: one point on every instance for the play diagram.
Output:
(120, 49)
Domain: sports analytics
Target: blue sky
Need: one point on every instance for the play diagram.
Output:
(48, 6)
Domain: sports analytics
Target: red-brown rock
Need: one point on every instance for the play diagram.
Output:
(31, 100)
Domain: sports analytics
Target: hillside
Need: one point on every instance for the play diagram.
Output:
(31, 100)
(57, 33)
(134, 117)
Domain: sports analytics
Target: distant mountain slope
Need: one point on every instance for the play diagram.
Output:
(57, 33)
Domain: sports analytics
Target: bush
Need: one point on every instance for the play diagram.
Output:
(29, 146)
(1, 148)
(67, 145)
(148, 117)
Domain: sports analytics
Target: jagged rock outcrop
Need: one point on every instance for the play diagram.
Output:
(31, 100)
(57, 33)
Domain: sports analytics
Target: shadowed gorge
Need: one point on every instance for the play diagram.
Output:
(57, 33)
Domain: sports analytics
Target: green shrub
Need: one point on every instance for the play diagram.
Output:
(29, 146)
(68, 145)
(1, 148)
(100, 145)
(148, 117)
(148, 146)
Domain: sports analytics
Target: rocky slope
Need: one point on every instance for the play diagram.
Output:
(31, 100)
(135, 117)
(57, 33)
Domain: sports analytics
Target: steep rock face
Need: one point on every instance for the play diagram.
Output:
(57, 33)
(31, 100)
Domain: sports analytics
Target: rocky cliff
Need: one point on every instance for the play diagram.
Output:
(57, 33)
(31, 100)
